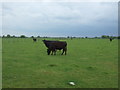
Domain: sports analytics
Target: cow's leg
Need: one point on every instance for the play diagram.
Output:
(52, 52)
(55, 52)
(48, 51)
(63, 52)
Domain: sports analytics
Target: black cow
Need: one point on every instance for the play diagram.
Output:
(111, 39)
(34, 39)
(55, 45)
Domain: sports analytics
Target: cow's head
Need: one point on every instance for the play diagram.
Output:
(44, 40)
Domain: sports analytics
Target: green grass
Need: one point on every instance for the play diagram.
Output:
(90, 63)
(0, 63)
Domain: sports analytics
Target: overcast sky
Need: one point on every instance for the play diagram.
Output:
(59, 18)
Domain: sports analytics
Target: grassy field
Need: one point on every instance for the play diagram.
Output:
(0, 63)
(89, 63)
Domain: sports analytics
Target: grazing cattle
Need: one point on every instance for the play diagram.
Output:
(53, 46)
(110, 39)
(34, 39)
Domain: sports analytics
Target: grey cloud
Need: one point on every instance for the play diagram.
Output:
(69, 18)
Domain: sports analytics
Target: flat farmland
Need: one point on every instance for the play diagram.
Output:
(89, 63)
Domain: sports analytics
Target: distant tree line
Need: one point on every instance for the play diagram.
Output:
(113, 37)
(69, 37)
(10, 36)
(103, 37)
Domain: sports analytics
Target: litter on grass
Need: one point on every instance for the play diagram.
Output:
(71, 83)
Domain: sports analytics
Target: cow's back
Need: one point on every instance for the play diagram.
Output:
(58, 45)
(55, 44)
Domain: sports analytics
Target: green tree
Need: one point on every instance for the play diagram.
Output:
(13, 36)
(22, 36)
(3, 36)
(68, 37)
(118, 37)
(104, 36)
(32, 36)
(38, 36)
(8, 36)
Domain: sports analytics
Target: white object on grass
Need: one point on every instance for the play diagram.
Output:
(72, 83)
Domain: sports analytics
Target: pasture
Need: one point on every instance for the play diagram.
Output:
(89, 63)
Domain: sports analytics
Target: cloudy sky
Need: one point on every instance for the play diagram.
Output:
(59, 18)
